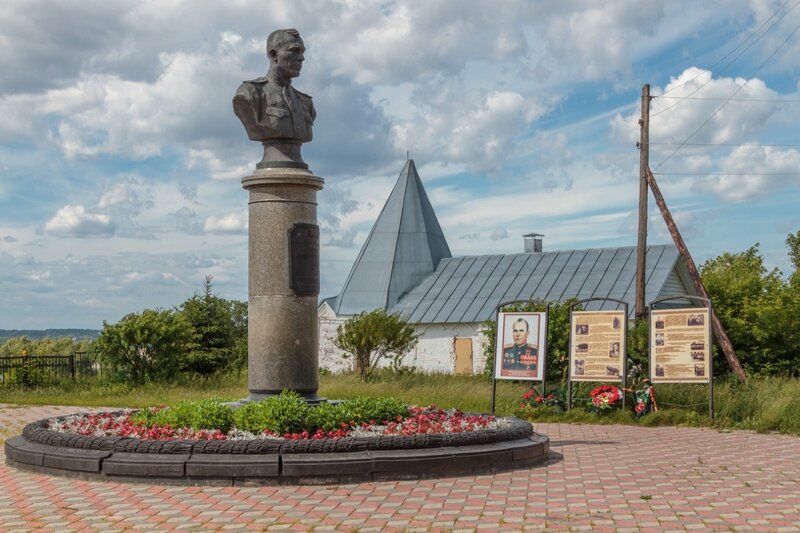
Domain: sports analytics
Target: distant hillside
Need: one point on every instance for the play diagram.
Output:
(35, 334)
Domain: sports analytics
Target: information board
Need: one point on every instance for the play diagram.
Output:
(597, 345)
(521, 346)
(680, 345)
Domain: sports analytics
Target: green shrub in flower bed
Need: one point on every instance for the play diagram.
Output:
(287, 413)
(285, 416)
(201, 414)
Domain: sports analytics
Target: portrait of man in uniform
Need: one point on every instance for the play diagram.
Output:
(520, 355)
(521, 345)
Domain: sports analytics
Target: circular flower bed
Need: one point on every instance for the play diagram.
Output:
(275, 441)
(420, 420)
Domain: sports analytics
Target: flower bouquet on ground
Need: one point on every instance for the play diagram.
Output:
(535, 403)
(605, 398)
(645, 398)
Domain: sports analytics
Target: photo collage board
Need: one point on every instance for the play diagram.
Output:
(597, 345)
(680, 345)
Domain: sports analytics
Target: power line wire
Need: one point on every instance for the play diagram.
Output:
(727, 173)
(724, 144)
(735, 92)
(778, 100)
(723, 58)
(731, 62)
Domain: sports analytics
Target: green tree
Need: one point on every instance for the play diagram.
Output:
(146, 346)
(369, 337)
(793, 243)
(758, 308)
(46, 346)
(557, 335)
(218, 325)
(239, 315)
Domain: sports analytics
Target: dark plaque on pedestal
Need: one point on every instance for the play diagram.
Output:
(304, 259)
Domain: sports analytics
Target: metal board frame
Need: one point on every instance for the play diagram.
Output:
(542, 355)
(708, 305)
(624, 382)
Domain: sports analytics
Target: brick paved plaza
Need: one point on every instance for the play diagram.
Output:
(597, 478)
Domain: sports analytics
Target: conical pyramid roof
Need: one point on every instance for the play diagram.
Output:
(405, 245)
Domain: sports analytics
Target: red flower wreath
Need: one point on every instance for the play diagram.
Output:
(605, 397)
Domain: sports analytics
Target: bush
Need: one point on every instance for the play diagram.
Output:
(286, 413)
(251, 417)
(759, 309)
(47, 346)
(289, 413)
(363, 409)
(29, 374)
(369, 337)
(325, 416)
(202, 414)
(143, 347)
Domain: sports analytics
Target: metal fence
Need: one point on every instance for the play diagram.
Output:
(21, 368)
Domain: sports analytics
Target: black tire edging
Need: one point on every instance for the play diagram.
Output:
(39, 432)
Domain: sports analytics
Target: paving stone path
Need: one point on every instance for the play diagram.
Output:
(597, 478)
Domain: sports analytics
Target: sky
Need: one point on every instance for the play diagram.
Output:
(121, 158)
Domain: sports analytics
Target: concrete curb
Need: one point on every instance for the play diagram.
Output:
(275, 462)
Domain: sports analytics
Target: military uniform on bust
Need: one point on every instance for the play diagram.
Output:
(272, 111)
(520, 357)
(280, 112)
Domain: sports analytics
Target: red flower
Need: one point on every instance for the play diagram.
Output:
(527, 395)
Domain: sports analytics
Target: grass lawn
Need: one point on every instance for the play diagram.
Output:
(763, 404)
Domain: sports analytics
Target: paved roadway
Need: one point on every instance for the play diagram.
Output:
(597, 478)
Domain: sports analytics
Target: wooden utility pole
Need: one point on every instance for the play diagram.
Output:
(644, 165)
(719, 331)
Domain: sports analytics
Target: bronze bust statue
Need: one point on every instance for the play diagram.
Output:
(272, 111)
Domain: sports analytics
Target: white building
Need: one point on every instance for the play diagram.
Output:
(405, 266)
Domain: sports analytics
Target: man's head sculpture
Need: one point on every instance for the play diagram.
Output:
(272, 111)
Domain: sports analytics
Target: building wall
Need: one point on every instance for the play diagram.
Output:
(330, 357)
(435, 351)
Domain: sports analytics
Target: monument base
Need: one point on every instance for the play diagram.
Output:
(283, 328)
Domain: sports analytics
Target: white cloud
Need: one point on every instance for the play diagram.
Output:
(39, 276)
(187, 220)
(673, 120)
(479, 130)
(597, 40)
(499, 233)
(219, 168)
(772, 169)
(76, 221)
(133, 277)
(228, 223)
(710, 148)
(129, 196)
(379, 42)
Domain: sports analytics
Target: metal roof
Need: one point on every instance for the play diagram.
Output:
(405, 246)
(468, 289)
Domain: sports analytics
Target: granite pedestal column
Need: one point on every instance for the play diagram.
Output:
(283, 329)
